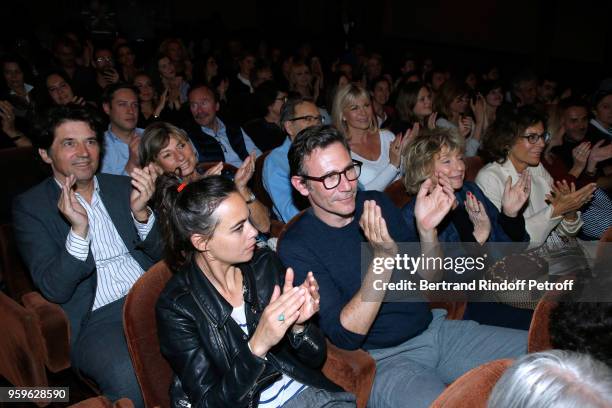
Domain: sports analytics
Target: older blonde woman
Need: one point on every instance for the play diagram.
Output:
(378, 150)
(172, 151)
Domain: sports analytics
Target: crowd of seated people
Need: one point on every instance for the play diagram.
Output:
(153, 157)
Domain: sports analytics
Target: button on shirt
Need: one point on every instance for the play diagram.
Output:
(231, 157)
(116, 153)
(116, 269)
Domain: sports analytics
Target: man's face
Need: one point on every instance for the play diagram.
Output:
(576, 121)
(123, 110)
(334, 206)
(103, 60)
(547, 90)
(374, 68)
(527, 92)
(65, 56)
(203, 106)
(306, 115)
(247, 65)
(75, 150)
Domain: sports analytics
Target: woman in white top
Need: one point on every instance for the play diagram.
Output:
(378, 150)
(514, 144)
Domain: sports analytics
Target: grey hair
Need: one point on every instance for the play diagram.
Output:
(554, 379)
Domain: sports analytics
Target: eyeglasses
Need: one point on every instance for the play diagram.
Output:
(533, 138)
(104, 59)
(309, 119)
(282, 98)
(332, 180)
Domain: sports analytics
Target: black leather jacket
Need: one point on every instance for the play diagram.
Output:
(208, 351)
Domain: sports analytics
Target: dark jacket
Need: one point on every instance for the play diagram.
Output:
(41, 231)
(209, 352)
(209, 149)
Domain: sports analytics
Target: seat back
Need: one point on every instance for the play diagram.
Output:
(152, 370)
(538, 338)
(14, 274)
(397, 193)
(22, 352)
(472, 167)
(473, 388)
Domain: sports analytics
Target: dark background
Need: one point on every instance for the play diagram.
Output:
(570, 38)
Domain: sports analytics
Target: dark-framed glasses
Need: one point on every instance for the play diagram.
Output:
(533, 138)
(309, 119)
(332, 180)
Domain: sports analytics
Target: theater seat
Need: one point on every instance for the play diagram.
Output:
(14, 274)
(473, 388)
(472, 167)
(397, 193)
(538, 338)
(103, 402)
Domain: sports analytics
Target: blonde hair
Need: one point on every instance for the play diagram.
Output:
(155, 138)
(419, 155)
(345, 96)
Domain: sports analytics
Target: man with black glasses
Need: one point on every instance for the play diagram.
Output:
(297, 114)
(417, 351)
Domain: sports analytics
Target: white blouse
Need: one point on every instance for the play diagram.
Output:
(378, 174)
(539, 222)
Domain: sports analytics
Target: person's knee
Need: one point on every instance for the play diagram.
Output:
(420, 387)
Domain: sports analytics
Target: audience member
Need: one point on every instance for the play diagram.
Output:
(265, 130)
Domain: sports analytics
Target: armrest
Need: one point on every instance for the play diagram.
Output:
(276, 227)
(352, 370)
(55, 329)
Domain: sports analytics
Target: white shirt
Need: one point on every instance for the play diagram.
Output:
(116, 269)
(378, 174)
(539, 222)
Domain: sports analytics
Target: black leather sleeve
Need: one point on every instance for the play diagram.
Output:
(310, 346)
(182, 346)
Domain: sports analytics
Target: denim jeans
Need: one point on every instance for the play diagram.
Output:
(414, 373)
(101, 354)
(318, 398)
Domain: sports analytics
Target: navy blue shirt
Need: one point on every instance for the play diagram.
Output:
(334, 256)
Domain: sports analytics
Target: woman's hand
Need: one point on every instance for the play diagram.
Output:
(478, 216)
(465, 126)
(280, 314)
(245, 172)
(432, 206)
(143, 183)
(214, 170)
(516, 195)
(566, 200)
(580, 154)
(431, 120)
(395, 151)
(311, 296)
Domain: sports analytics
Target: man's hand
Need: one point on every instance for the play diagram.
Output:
(375, 229)
(70, 208)
(598, 154)
(143, 183)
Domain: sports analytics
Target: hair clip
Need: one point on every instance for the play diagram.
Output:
(181, 187)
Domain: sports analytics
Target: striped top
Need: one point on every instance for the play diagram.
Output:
(281, 391)
(116, 269)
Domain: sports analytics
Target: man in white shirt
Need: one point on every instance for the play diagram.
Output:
(86, 239)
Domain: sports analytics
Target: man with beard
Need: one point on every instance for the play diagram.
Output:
(120, 102)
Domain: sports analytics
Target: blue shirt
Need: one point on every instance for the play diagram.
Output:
(231, 157)
(277, 182)
(116, 153)
(333, 256)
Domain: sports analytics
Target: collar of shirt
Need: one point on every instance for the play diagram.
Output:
(599, 126)
(245, 81)
(115, 139)
(211, 132)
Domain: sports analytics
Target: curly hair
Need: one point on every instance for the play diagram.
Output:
(419, 155)
(509, 125)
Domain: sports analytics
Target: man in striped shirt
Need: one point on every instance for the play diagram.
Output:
(86, 239)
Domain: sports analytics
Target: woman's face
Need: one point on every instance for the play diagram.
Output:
(301, 75)
(358, 115)
(125, 56)
(422, 108)
(524, 153)
(178, 154)
(281, 98)
(459, 104)
(381, 92)
(59, 90)
(233, 240)
(343, 81)
(145, 88)
(166, 68)
(495, 97)
(471, 80)
(175, 52)
(211, 67)
(451, 164)
(13, 75)
(603, 111)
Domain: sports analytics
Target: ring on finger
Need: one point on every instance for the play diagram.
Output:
(281, 317)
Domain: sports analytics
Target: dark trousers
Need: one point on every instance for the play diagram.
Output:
(101, 354)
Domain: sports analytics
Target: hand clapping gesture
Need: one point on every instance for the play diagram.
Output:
(374, 228)
(566, 200)
(479, 217)
(70, 208)
(245, 172)
(433, 204)
(516, 195)
(311, 295)
(143, 183)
